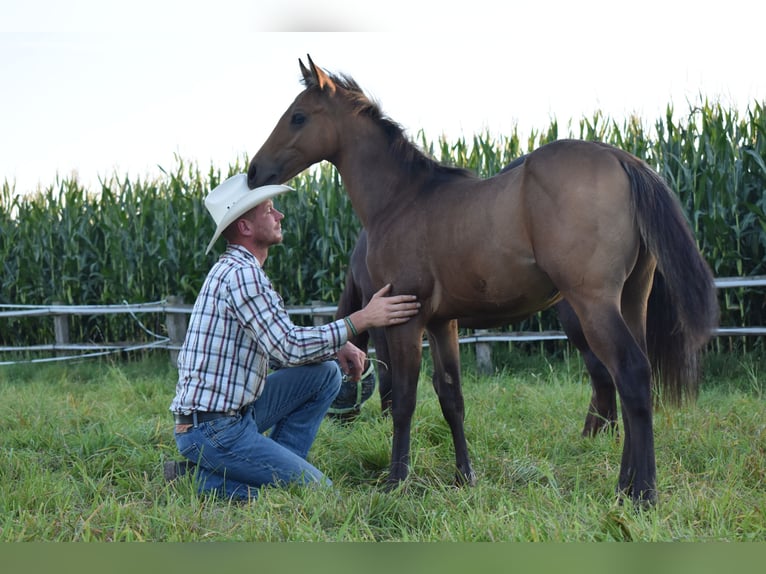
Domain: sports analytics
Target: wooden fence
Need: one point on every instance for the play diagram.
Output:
(176, 320)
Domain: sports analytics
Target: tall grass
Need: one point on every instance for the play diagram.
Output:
(83, 446)
(143, 239)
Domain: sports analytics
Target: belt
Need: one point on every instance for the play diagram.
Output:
(203, 416)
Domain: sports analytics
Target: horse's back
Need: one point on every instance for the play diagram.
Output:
(568, 166)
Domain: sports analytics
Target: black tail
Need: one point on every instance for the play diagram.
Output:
(683, 308)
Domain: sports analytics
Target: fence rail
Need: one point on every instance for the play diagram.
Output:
(177, 318)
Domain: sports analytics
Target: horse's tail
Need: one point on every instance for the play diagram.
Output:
(683, 309)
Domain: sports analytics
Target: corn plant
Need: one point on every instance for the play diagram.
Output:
(143, 239)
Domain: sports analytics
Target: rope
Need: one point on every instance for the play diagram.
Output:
(369, 372)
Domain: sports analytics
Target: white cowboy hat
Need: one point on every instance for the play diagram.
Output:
(232, 198)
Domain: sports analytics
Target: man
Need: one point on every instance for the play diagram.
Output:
(225, 401)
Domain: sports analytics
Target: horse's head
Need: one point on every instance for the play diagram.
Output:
(305, 134)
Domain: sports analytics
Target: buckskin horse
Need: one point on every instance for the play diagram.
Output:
(602, 411)
(578, 220)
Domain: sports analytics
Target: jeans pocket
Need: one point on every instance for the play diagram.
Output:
(224, 432)
(193, 451)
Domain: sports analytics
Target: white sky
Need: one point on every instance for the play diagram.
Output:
(98, 86)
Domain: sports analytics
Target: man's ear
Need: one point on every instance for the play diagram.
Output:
(244, 227)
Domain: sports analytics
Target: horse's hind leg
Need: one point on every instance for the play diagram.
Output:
(638, 451)
(612, 341)
(384, 370)
(602, 412)
(443, 339)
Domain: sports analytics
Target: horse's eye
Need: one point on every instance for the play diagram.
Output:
(297, 119)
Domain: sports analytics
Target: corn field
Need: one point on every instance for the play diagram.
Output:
(142, 240)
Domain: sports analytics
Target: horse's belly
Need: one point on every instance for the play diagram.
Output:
(492, 298)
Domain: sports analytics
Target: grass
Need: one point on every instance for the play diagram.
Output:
(83, 445)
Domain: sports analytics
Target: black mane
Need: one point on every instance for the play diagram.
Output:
(411, 157)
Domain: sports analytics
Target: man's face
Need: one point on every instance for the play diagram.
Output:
(267, 229)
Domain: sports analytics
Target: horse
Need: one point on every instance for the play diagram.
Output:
(579, 220)
(602, 411)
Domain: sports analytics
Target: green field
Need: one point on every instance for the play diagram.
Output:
(83, 446)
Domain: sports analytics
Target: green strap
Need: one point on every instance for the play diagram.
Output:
(339, 411)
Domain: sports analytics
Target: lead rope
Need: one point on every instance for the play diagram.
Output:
(369, 371)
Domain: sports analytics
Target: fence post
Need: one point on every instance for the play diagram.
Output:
(61, 328)
(176, 324)
(318, 319)
(483, 355)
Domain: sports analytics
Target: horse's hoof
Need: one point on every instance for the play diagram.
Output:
(645, 500)
(392, 485)
(641, 500)
(595, 425)
(465, 479)
(591, 429)
(396, 476)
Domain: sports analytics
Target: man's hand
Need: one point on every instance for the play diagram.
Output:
(385, 311)
(351, 359)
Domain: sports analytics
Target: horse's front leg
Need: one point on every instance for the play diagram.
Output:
(405, 351)
(446, 380)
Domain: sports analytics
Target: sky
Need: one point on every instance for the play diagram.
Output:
(97, 87)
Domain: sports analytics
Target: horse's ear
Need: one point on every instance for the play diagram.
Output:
(305, 72)
(316, 76)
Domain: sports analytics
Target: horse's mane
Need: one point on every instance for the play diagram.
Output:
(406, 152)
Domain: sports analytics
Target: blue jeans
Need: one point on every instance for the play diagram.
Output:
(235, 457)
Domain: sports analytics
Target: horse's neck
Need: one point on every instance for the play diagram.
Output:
(374, 179)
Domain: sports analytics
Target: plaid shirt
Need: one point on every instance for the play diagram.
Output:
(238, 323)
